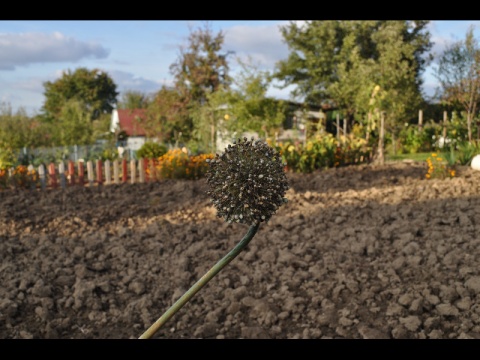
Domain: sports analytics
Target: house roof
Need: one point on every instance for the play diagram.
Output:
(128, 121)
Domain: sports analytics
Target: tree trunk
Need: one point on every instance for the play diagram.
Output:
(444, 128)
(338, 126)
(381, 141)
(420, 120)
(469, 126)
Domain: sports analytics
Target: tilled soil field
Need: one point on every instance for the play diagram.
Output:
(364, 252)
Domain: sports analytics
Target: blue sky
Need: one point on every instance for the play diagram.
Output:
(138, 54)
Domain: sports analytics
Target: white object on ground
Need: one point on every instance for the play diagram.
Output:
(476, 162)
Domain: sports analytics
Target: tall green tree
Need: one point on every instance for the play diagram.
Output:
(201, 67)
(458, 73)
(250, 107)
(342, 61)
(74, 126)
(396, 72)
(244, 107)
(94, 88)
(18, 130)
(132, 99)
(167, 116)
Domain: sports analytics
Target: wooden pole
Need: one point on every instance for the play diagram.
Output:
(52, 174)
(71, 172)
(338, 126)
(116, 172)
(108, 175)
(133, 171)
(41, 175)
(81, 173)
(90, 172)
(124, 171)
(99, 167)
(30, 169)
(444, 128)
(61, 173)
(381, 140)
(420, 119)
(141, 170)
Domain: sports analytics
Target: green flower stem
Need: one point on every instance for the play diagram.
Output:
(201, 283)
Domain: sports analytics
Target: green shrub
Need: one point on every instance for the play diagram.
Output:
(7, 156)
(151, 150)
(466, 151)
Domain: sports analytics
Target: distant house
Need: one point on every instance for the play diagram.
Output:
(126, 125)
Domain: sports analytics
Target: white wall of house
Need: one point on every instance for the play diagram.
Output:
(134, 143)
(114, 122)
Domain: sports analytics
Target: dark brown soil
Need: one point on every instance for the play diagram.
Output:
(359, 252)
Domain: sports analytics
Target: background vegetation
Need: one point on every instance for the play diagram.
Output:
(365, 73)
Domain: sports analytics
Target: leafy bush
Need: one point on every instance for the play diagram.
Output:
(7, 156)
(110, 154)
(414, 140)
(151, 150)
(466, 151)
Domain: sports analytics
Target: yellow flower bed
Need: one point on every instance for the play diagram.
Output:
(177, 164)
(438, 168)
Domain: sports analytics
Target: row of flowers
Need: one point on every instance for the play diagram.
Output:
(438, 168)
(324, 152)
(299, 157)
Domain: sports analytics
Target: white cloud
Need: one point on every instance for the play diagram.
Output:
(34, 84)
(127, 81)
(29, 48)
(263, 44)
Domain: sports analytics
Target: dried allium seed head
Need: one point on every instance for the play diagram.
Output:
(247, 182)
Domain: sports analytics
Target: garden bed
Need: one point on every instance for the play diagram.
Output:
(357, 252)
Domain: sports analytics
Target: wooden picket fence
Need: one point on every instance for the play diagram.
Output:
(92, 173)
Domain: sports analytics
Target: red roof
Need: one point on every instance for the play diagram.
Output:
(128, 121)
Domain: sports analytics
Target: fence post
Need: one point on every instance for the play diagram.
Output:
(124, 170)
(381, 140)
(108, 175)
(116, 173)
(61, 173)
(338, 126)
(81, 174)
(141, 170)
(71, 172)
(90, 172)
(99, 172)
(10, 177)
(30, 169)
(444, 128)
(420, 119)
(52, 174)
(41, 175)
(133, 172)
